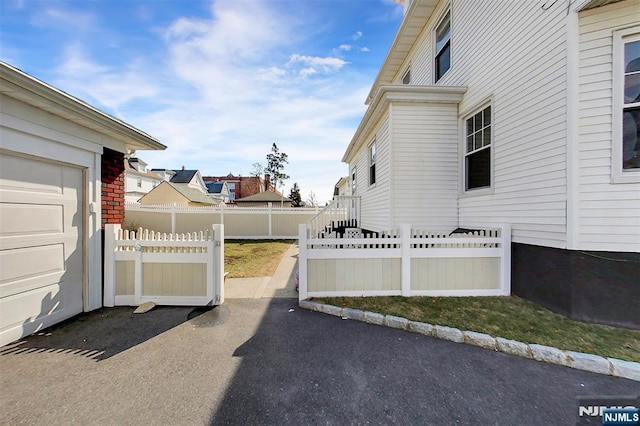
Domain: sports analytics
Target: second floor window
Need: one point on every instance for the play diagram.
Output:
(372, 164)
(139, 182)
(443, 46)
(406, 79)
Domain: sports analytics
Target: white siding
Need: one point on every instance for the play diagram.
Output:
(425, 165)
(513, 55)
(375, 199)
(609, 214)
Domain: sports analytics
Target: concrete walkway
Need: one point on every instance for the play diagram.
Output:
(281, 284)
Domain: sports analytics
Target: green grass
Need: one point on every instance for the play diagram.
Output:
(253, 258)
(507, 317)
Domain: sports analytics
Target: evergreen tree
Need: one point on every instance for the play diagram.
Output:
(275, 166)
(295, 196)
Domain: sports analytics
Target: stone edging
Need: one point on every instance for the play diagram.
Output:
(594, 363)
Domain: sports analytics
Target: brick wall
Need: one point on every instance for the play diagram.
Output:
(112, 187)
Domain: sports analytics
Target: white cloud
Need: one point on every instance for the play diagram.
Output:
(357, 35)
(364, 49)
(346, 47)
(326, 64)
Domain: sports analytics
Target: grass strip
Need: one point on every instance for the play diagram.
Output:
(253, 258)
(507, 317)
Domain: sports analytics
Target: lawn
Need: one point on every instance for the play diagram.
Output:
(507, 317)
(253, 258)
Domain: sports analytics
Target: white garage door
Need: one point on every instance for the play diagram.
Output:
(41, 260)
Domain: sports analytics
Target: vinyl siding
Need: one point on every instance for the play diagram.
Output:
(375, 199)
(425, 165)
(511, 55)
(609, 214)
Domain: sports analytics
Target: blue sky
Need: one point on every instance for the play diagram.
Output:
(216, 81)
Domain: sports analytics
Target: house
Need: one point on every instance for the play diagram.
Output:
(342, 188)
(61, 181)
(523, 113)
(243, 186)
(185, 188)
(179, 194)
(263, 199)
(218, 191)
(138, 179)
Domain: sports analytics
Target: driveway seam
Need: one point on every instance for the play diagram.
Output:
(578, 360)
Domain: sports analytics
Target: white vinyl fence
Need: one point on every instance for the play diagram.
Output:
(406, 262)
(167, 269)
(272, 222)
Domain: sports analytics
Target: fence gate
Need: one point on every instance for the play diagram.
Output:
(166, 269)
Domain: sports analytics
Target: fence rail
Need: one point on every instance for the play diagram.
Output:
(405, 262)
(272, 222)
(168, 269)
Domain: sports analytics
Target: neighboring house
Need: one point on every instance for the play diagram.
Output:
(138, 179)
(218, 191)
(243, 186)
(263, 199)
(165, 174)
(61, 181)
(181, 194)
(342, 187)
(518, 112)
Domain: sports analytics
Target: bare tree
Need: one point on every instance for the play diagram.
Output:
(312, 200)
(257, 170)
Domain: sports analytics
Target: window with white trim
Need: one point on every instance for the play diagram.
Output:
(353, 182)
(443, 46)
(139, 182)
(477, 158)
(631, 105)
(406, 78)
(372, 163)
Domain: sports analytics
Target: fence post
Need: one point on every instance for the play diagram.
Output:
(222, 207)
(302, 262)
(173, 218)
(218, 263)
(270, 204)
(505, 264)
(405, 253)
(109, 296)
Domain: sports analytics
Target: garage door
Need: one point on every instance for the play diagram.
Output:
(41, 259)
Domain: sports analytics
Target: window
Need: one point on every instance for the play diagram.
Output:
(443, 46)
(625, 162)
(372, 164)
(406, 79)
(139, 182)
(353, 182)
(477, 159)
(631, 106)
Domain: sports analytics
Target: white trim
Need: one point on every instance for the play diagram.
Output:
(470, 112)
(460, 293)
(352, 293)
(573, 131)
(434, 40)
(617, 173)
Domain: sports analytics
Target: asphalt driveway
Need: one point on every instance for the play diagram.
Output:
(253, 361)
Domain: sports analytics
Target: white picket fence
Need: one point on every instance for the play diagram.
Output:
(405, 262)
(167, 269)
(271, 222)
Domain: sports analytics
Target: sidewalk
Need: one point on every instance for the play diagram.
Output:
(281, 284)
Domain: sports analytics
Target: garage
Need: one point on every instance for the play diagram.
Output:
(41, 244)
(58, 156)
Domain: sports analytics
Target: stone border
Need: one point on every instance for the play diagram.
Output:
(593, 363)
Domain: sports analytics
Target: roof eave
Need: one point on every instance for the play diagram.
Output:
(412, 25)
(18, 84)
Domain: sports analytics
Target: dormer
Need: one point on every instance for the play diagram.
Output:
(138, 164)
